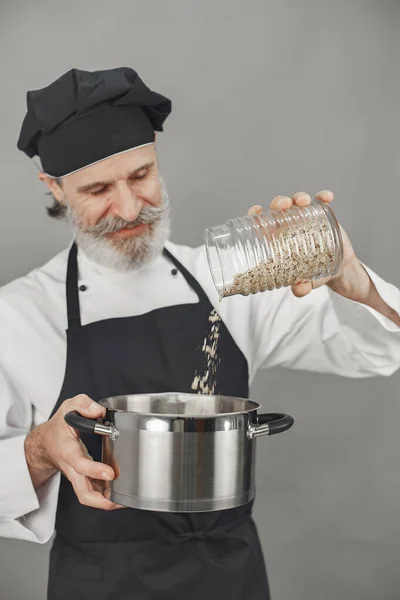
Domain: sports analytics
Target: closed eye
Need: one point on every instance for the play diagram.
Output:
(140, 175)
(100, 191)
(104, 188)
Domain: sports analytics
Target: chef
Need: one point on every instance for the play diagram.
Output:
(123, 310)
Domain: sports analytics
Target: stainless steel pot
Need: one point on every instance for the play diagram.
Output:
(180, 452)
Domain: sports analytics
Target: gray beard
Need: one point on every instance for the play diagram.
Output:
(127, 253)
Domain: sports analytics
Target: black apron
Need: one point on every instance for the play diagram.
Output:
(138, 554)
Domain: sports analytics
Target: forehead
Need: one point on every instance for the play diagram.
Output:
(115, 167)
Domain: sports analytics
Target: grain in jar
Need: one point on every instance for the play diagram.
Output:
(275, 249)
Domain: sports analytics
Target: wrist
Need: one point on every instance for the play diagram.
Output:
(39, 464)
(352, 282)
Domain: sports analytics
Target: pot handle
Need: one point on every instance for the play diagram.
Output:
(75, 420)
(269, 424)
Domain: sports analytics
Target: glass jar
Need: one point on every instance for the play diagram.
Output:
(276, 249)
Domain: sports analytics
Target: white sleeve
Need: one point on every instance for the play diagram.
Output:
(325, 332)
(24, 513)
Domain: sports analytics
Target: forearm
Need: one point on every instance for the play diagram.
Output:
(355, 284)
(39, 467)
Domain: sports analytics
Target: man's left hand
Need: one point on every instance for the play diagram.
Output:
(352, 280)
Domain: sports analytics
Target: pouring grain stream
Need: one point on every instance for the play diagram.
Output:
(205, 380)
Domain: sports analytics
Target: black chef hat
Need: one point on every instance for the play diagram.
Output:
(84, 117)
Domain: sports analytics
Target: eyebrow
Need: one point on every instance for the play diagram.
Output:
(89, 186)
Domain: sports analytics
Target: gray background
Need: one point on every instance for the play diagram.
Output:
(270, 97)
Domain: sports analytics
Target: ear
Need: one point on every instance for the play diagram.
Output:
(53, 186)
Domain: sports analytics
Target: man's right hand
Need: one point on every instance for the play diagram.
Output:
(55, 446)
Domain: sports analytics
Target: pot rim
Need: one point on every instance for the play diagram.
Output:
(253, 405)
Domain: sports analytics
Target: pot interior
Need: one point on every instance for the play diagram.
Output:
(176, 404)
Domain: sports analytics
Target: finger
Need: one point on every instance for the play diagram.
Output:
(85, 406)
(301, 199)
(99, 486)
(255, 210)
(325, 196)
(281, 202)
(88, 496)
(73, 457)
(92, 468)
(302, 289)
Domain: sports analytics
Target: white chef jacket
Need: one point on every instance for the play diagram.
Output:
(321, 332)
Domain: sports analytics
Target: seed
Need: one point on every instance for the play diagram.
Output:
(205, 380)
(300, 253)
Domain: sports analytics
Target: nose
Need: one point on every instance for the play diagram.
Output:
(126, 204)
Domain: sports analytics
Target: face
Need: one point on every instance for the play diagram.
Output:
(118, 208)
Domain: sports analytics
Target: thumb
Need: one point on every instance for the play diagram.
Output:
(305, 287)
(302, 289)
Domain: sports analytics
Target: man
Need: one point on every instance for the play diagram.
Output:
(95, 321)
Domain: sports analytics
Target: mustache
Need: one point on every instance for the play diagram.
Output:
(148, 214)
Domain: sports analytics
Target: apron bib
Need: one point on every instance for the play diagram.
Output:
(133, 554)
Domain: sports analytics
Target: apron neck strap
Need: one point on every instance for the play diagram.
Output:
(73, 309)
(190, 280)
